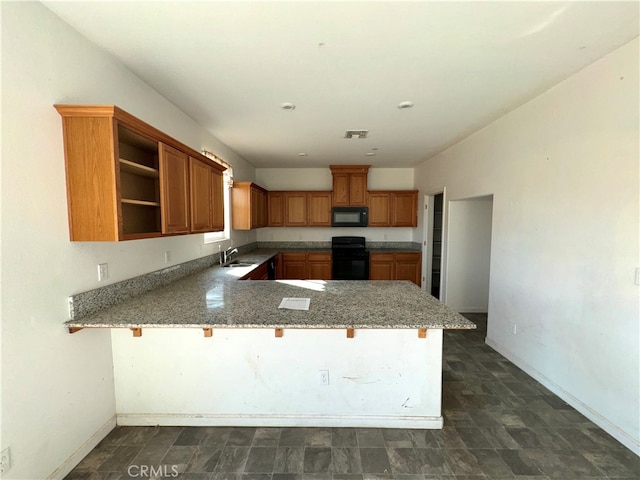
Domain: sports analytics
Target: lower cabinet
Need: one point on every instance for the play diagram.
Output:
(260, 273)
(319, 266)
(305, 266)
(395, 266)
(294, 266)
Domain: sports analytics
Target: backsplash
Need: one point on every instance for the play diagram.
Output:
(87, 303)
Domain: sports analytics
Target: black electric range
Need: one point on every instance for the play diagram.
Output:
(350, 258)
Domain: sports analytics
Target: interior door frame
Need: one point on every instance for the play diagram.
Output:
(427, 241)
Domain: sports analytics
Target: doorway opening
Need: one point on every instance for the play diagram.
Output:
(469, 227)
(433, 244)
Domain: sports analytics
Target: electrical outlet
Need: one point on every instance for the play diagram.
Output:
(103, 271)
(514, 328)
(637, 277)
(5, 460)
(324, 377)
(167, 256)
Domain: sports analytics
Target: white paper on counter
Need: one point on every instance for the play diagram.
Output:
(291, 303)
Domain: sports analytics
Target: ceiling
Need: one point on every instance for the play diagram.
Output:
(348, 65)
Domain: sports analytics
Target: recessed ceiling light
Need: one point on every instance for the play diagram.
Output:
(302, 154)
(370, 154)
(288, 106)
(405, 105)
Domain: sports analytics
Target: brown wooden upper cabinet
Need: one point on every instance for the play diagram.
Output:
(206, 185)
(295, 209)
(388, 208)
(248, 206)
(126, 179)
(349, 185)
(319, 209)
(299, 209)
(275, 209)
(174, 190)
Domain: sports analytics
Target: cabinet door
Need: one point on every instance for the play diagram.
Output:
(254, 203)
(240, 206)
(174, 190)
(294, 266)
(263, 216)
(201, 190)
(217, 200)
(319, 266)
(381, 266)
(275, 202)
(379, 209)
(404, 209)
(408, 267)
(295, 209)
(258, 207)
(319, 209)
(340, 189)
(358, 189)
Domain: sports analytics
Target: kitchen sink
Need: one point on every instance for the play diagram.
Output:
(239, 264)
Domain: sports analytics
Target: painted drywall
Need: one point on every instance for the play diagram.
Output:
(320, 179)
(57, 389)
(468, 255)
(249, 377)
(563, 170)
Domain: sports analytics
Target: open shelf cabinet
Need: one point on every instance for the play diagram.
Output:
(127, 180)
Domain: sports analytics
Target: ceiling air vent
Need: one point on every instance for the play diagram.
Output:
(356, 134)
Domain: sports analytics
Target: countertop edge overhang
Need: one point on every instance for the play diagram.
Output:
(215, 298)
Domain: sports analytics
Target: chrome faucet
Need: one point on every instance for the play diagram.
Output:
(225, 255)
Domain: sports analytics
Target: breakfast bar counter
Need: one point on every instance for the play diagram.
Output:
(385, 372)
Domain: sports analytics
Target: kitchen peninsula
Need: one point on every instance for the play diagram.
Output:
(366, 353)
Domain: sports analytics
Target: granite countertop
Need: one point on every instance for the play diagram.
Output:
(216, 298)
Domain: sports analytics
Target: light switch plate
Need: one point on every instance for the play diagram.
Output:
(103, 271)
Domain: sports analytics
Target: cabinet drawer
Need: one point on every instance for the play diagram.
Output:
(319, 257)
(294, 257)
(407, 257)
(381, 257)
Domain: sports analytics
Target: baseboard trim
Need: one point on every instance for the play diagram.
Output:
(211, 420)
(615, 431)
(77, 456)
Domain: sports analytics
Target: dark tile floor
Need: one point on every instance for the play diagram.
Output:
(499, 424)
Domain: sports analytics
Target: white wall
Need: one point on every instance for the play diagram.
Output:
(57, 389)
(320, 179)
(468, 254)
(563, 171)
(238, 377)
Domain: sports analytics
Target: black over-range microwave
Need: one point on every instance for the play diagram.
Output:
(349, 216)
